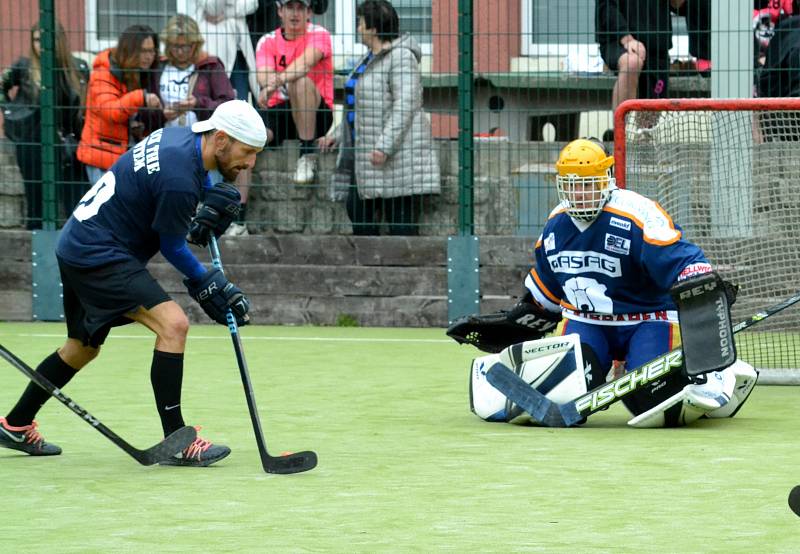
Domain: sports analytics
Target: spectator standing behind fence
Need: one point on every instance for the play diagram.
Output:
(295, 71)
(121, 84)
(386, 154)
(635, 37)
(22, 122)
(223, 24)
(780, 74)
(191, 84)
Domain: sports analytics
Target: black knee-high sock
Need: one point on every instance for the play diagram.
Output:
(55, 370)
(166, 376)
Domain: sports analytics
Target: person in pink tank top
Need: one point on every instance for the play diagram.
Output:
(295, 71)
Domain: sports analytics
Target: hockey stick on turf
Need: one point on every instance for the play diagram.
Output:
(552, 414)
(170, 446)
(289, 463)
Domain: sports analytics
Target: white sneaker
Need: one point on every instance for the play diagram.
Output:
(237, 230)
(306, 169)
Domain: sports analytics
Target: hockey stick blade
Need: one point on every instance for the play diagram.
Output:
(296, 462)
(537, 405)
(170, 446)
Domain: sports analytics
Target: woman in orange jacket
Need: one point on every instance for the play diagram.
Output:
(119, 87)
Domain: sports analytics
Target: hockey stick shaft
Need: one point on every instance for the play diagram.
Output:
(292, 463)
(599, 398)
(170, 446)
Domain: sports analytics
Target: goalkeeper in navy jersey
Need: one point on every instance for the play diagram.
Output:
(144, 204)
(605, 268)
(606, 260)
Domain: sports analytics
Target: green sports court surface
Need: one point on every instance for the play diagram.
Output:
(403, 465)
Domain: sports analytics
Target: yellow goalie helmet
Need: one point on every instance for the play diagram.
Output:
(584, 178)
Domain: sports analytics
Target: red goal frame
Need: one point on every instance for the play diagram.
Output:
(686, 104)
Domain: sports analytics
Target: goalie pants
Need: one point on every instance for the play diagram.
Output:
(635, 345)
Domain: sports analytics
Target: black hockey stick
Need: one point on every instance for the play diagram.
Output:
(295, 462)
(552, 414)
(170, 446)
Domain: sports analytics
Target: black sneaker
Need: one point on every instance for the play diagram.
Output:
(26, 439)
(200, 453)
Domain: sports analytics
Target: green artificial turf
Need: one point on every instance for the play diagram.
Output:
(403, 465)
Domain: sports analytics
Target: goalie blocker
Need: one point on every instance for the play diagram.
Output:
(704, 315)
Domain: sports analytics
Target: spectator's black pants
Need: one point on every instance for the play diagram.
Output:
(400, 213)
(71, 183)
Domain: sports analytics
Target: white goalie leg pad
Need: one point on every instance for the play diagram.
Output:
(553, 366)
(485, 401)
(715, 393)
(745, 377)
(721, 396)
(674, 410)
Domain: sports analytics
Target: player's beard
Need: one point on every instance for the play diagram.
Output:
(228, 171)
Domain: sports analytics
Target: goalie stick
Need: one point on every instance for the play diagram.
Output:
(295, 462)
(552, 414)
(170, 446)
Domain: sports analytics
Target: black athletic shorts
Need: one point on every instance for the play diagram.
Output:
(278, 119)
(654, 80)
(97, 298)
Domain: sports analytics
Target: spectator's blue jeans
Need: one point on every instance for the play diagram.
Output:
(94, 174)
(239, 77)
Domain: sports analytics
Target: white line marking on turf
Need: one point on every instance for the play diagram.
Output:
(227, 337)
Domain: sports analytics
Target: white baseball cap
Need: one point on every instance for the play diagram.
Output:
(239, 120)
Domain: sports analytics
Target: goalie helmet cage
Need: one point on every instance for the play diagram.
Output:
(728, 172)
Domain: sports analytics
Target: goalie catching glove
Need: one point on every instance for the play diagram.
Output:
(220, 207)
(216, 295)
(494, 332)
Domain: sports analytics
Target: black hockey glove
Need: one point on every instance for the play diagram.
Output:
(216, 295)
(494, 332)
(219, 209)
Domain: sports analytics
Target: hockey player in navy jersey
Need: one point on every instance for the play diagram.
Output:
(143, 205)
(606, 262)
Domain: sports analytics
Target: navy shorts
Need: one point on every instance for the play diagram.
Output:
(636, 345)
(97, 298)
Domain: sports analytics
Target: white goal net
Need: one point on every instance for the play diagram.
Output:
(728, 172)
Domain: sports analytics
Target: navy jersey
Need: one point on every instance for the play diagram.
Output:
(153, 188)
(616, 270)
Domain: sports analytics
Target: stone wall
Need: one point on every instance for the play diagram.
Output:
(11, 191)
(277, 205)
(322, 280)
